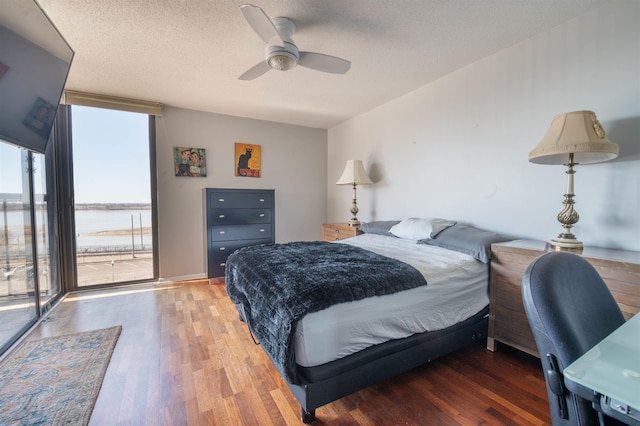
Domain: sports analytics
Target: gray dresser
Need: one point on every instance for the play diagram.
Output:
(237, 218)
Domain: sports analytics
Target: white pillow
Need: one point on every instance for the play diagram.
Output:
(420, 229)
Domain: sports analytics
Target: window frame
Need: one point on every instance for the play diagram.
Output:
(65, 194)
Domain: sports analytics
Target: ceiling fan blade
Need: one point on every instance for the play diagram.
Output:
(260, 22)
(325, 63)
(255, 71)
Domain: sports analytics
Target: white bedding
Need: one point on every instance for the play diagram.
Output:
(457, 288)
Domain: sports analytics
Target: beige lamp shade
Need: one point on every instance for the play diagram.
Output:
(354, 174)
(578, 133)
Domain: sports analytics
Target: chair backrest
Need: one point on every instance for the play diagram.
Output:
(570, 309)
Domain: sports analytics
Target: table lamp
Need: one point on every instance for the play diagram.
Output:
(355, 175)
(574, 138)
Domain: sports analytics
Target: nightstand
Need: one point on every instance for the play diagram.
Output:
(508, 324)
(338, 231)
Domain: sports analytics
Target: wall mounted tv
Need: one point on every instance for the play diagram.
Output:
(34, 65)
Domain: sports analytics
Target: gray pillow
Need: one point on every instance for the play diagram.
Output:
(380, 227)
(467, 239)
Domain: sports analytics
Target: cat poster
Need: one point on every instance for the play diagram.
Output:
(247, 160)
(190, 161)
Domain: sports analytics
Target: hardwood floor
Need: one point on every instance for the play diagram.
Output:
(184, 358)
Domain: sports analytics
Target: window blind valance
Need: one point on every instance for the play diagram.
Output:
(111, 102)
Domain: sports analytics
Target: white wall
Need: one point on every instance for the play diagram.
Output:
(458, 148)
(294, 163)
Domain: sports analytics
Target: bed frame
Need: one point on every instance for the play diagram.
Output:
(316, 386)
(329, 382)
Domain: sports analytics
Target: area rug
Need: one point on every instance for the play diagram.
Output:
(55, 380)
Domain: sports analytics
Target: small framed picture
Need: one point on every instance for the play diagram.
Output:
(40, 117)
(190, 162)
(247, 160)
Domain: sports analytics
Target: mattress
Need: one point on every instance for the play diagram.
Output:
(457, 288)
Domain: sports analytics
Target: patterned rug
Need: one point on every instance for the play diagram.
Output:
(55, 380)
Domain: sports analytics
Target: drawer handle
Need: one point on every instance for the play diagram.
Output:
(261, 214)
(262, 230)
(221, 200)
(221, 232)
(337, 231)
(221, 216)
(223, 264)
(262, 200)
(222, 249)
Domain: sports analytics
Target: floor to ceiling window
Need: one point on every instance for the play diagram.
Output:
(112, 196)
(48, 285)
(25, 260)
(80, 216)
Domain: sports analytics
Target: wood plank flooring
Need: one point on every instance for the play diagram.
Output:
(184, 358)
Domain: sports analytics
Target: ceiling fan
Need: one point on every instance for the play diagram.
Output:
(281, 53)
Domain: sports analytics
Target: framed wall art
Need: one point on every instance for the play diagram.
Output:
(40, 117)
(247, 160)
(190, 161)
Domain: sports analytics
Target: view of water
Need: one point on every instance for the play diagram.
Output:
(90, 222)
(99, 229)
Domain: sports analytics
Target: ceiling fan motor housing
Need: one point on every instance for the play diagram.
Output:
(281, 53)
(282, 58)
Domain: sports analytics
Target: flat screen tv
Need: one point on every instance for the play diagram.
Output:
(34, 65)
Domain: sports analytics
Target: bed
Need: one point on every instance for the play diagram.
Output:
(337, 317)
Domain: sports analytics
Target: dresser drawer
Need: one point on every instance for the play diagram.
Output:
(233, 200)
(338, 231)
(220, 251)
(239, 216)
(511, 325)
(241, 232)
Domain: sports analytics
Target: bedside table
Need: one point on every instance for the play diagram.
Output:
(338, 231)
(620, 269)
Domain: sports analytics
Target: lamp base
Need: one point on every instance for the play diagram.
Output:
(353, 222)
(566, 243)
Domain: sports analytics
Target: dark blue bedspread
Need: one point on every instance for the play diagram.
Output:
(275, 285)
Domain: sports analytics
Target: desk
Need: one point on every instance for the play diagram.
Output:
(612, 368)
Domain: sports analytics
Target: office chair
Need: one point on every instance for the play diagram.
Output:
(570, 309)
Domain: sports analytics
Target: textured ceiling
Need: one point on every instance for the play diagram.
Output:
(189, 53)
